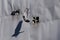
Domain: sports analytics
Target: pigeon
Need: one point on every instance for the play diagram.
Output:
(26, 20)
(25, 15)
(14, 12)
(18, 28)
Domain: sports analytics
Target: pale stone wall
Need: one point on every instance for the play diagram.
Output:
(47, 10)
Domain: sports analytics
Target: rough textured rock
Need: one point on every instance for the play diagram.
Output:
(47, 10)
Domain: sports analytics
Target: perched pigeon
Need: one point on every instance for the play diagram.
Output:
(25, 15)
(26, 20)
(14, 12)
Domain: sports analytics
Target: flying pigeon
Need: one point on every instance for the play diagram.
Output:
(18, 28)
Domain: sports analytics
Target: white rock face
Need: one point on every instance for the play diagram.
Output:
(49, 17)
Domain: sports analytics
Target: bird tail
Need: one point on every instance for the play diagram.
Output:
(14, 35)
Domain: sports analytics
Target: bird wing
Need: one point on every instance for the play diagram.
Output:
(18, 28)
